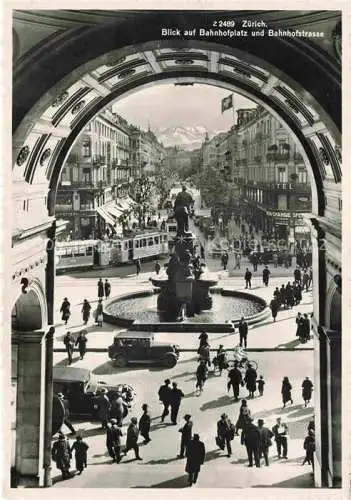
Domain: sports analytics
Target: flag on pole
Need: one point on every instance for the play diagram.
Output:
(227, 103)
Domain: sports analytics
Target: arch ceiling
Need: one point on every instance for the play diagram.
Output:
(81, 62)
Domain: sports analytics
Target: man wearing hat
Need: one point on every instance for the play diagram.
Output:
(225, 432)
(80, 447)
(164, 394)
(186, 431)
(103, 406)
(66, 419)
(252, 441)
(265, 440)
(113, 440)
(176, 397)
(195, 458)
(132, 438)
(69, 341)
(61, 454)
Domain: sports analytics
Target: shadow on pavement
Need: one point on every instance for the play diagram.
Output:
(180, 375)
(290, 344)
(273, 411)
(176, 482)
(301, 481)
(109, 368)
(189, 360)
(163, 461)
(309, 410)
(64, 362)
(217, 403)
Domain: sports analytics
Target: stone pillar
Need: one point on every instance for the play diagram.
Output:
(334, 408)
(29, 410)
(50, 272)
(49, 340)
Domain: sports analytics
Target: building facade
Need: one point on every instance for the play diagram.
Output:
(98, 171)
(269, 170)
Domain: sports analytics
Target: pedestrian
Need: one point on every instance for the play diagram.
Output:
(145, 423)
(103, 406)
(117, 410)
(224, 260)
(100, 287)
(221, 359)
(265, 440)
(307, 388)
(186, 432)
(201, 375)
(283, 296)
(305, 280)
(274, 308)
(65, 310)
(65, 404)
(113, 440)
(309, 445)
(202, 252)
(225, 433)
(265, 275)
(311, 425)
(260, 385)
(69, 341)
(80, 449)
(254, 261)
(235, 379)
(157, 267)
(138, 266)
(297, 275)
(132, 438)
(195, 458)
(310, 277)
(289, 295)
(306, 328)
(286, 391)
(99, 313)
(176, 396)
(86, 311)
(81, 342)
(203, 337)
(299, 326)
(243, 330)
(252, 442)
(297, 293)
(204, 353)
(164, 394)
(275, 259)
(107, 288)
(250, 379)
(61, 455)
(248, 276)
(280, 432)
(243, 418)
(276, 295)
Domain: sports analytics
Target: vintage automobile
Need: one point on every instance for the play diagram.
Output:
(82, 388)
(140, 348)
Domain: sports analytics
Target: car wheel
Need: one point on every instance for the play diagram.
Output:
(121, 361)
(169, 361)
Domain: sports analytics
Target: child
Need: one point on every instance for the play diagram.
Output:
(81, 448)
(260, 384)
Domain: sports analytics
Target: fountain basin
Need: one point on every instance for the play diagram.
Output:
(139, 311)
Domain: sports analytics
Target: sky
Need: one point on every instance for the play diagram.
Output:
(167, 105)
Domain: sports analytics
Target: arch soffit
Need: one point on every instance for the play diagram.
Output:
(64, 110)
(34, 287)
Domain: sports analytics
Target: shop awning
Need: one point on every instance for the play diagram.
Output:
(113, 210)
(106, 216)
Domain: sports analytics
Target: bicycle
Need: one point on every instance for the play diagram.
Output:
(240, 358)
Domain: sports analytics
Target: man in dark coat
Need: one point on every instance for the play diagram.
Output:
(176, 396)
(265, 440)
(65, 310)
(69, 340)
(164, 394)
(107, 287)
(103, 406)
(186, 431)
(254, 260)
(235, 378)
(86, 311)
(81, 342)
(252, 441)
(66, 419)
(250, 379)
(132, 438)
(307, 388)
(61, 454)
(195, 458)
(100, 286)
(297, 275)
(248, 276)
(265, 275)
(80, 448)
(274, 308)
(305, 328)
(225, 432)
(224, 260)
(113, 440)
(145, 424)
(280, 431)
(243, 329)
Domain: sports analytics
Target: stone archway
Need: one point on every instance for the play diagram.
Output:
(113, 58)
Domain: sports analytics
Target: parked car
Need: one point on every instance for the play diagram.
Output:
(82, 388)
(140, 348)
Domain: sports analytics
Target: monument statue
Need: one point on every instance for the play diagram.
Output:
(182, 206)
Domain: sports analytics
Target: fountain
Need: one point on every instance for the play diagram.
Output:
(185, 293)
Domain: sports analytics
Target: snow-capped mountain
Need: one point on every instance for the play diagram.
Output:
(187, 138)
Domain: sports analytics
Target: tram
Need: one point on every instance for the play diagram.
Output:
(89, 253)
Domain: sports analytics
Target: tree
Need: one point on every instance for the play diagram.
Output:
(143, 193)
